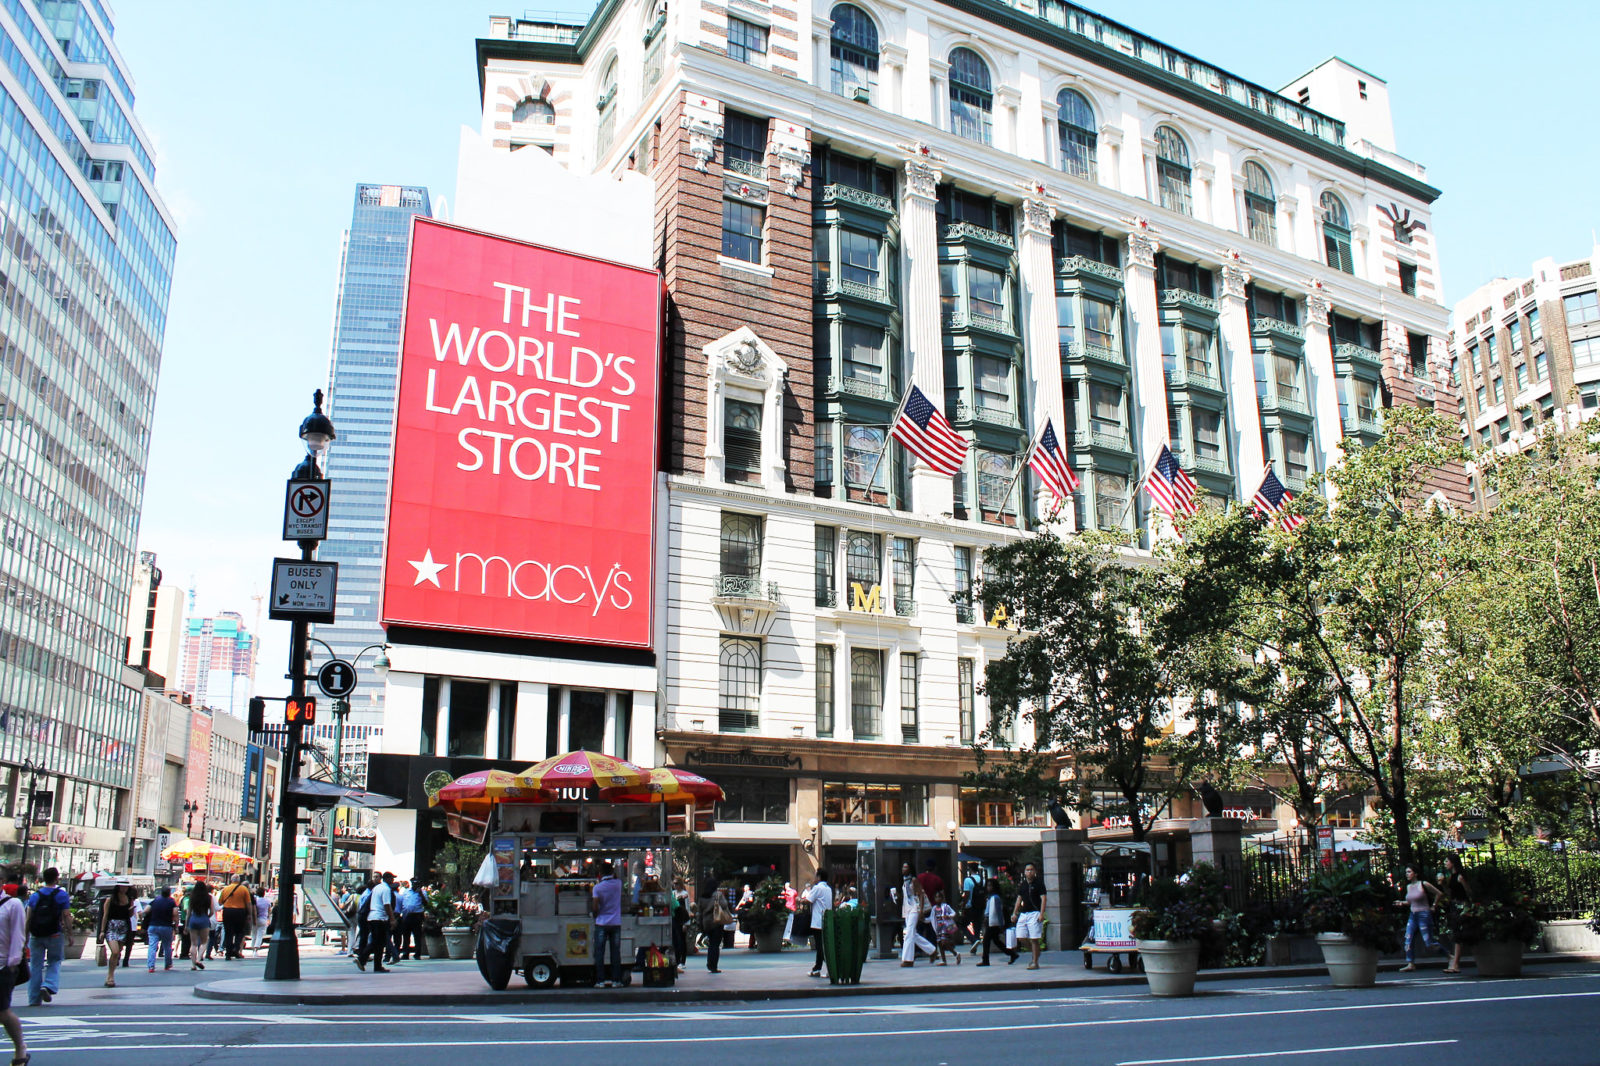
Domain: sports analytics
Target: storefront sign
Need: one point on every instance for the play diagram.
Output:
(1112, 928)
(522, 500)
(743, 757)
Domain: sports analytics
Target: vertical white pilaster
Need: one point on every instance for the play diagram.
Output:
(1036, 264)
(931, 492)
(608, 741)
(1327, 429)
(491, 728)
(1143, 321)
(892, 76)
(441, 728)
(529, 738)
(1238, 373)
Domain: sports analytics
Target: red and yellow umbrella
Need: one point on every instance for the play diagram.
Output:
(669, 785)
(214, 857)
(582, 769)
(482, 787)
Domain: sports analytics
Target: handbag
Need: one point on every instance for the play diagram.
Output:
(20, 973)
(100, 954)
(1011, 939)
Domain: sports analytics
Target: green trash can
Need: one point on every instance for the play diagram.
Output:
(845, 938)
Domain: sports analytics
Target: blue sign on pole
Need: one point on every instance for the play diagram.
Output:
(251, 802)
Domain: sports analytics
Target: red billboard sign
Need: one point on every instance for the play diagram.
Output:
(522, 497)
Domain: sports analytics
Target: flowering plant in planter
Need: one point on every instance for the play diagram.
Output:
(767, 910)
(1176, 908)
(1350, 900)
(1501, 909)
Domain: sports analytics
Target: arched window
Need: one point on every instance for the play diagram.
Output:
(1172, 171)
(854, 51)
(1075, 124)
(535, 111)
(971, 96)
(1260, 205)
(738, 684)
(607, 105)
(1336, 233)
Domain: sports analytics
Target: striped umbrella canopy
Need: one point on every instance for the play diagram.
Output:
(582, 769)
(669, 785)
(482, 787)
(190, 850)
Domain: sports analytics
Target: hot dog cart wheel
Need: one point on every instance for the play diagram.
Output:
(541, 973)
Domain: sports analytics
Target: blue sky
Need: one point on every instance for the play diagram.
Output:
(265, 116)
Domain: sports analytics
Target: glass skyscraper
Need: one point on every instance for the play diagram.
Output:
(366, 353)
(86, 253)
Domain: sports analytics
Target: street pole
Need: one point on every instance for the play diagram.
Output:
(341, 709)
(27, 819)
(283, 953)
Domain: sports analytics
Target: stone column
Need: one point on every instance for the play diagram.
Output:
(1036, 265)
(932, 493)
(1323, 380)
(1239, 375)
(891, 76)
(1064, 859)
(1148, 404)
(1217, 841)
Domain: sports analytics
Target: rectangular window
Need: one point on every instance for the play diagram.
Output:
(752, 798)
(1483, 398)
(966, 696)
(741, 441)
(1066, 316)
(981, 808)
(863, 560)
(740, 547)
(1582, 307)
(1197, 351)
(863, 353)
(1535, 327)
(963, 596)
(858, 258)
(469, 718)
(1455, 372)
(1110, 501)
(868, 803)
(738, 685)
(824, 463)
(1100, 324)
(1296, 456)
(910, 682)
(1417, 350)
(824, 690)
(1586, 351)
(1491, 349)
(747, 42)
(1514, 330)
(1286, 375)
(1503, 429)
(903, 560)
(586, 720)
(986, 292)
(866, 692)
(992, 382)
(826, 561)
(1366, 400)
(1408, 278)
(742, 226)
(1497, 389)
(1472, 358)
(1105, 409)
(1541, 367)
(1207, 433)
(949, 290)
(1522, 376)
(744, 144)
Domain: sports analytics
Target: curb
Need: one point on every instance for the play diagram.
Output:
(488, 997)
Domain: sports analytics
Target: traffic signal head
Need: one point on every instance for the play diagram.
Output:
(302, 711)
(258, 714)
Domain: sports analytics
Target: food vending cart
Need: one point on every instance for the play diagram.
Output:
(547, 859)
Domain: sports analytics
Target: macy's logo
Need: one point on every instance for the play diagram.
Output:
(529, 579)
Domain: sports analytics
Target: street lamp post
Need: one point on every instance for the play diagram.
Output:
(189, 807)
(34, 770)
(341, 711)
(283, 953)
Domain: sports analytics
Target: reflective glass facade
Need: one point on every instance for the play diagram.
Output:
(366, 348)
(86, 253)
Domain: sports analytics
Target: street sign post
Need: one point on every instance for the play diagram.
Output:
(303, 590)
(305, 510)
(336, 679)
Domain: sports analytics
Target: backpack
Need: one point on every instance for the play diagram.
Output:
(46, 918)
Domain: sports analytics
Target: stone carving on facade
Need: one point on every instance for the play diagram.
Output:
(1142, 243)
(746, 358)
(703, 137)
(1037, 215)
(1235, 274)
(1317, 304)
(922, 170)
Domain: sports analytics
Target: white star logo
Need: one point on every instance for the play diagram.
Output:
(427, 569)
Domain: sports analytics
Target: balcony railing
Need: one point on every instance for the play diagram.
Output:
(828, 597)
(976, 320)
(832, 288)
(746, 167)
(905, 607)
(1363, 426)
(965, 613)
(993, 416)
(1357, 353)
(1116, 442)
(1099, 353)
(1082, 264)
(849, 194)
(1181, 377)
(746, 587)
(870, 390)
(1185, 298)
(1294, 404)
(967, 231)
(1268, 327)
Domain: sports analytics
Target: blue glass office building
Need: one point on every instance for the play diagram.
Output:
(86, 254)
(366, 353)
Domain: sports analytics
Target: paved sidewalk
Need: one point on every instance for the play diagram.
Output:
(743, 977)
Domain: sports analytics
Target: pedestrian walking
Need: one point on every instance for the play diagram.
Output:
(238, 908)
(680, 923)
(790, 897)
(410, 907)
(1420, 898)
(263, 922)
(141, 904)
(1029, 913)
(49, 922)
(943, 917)
(972, 900)
(914, 907)
(994, 923)
(715, 914)
(184, 939)
(378, 918)
(13, 935)
(116, 929)
(605, 903)
(1457, 890)
(199, 923)
(819, 901)
(160, 918)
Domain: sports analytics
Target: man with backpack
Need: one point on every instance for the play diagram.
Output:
(49, 921)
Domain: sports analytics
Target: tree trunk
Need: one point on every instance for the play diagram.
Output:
(1399, 804)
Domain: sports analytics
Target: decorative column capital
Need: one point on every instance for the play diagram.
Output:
(1038, 208)
(1317, 305)
(1142, 243)
(922, 171)
(1235, 274)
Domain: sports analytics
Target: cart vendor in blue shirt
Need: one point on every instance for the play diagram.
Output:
(606, 906)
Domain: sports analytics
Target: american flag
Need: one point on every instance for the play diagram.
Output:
(1049, 461)
(1171, 489)
(1272, 500)
(928, 435)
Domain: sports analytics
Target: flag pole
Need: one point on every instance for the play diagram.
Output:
(888, 439)
(1016, 476)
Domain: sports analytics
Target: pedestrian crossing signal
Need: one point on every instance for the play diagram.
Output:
(301, 711)
(258, 714)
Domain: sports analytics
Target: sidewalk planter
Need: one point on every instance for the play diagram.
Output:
(1349, 964)
(458, 941)
(1170, 965)
(435, 944)
(770, 941)
(846, 935)
(1498, 958)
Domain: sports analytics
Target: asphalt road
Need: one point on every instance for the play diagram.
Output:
(1547, 1017)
